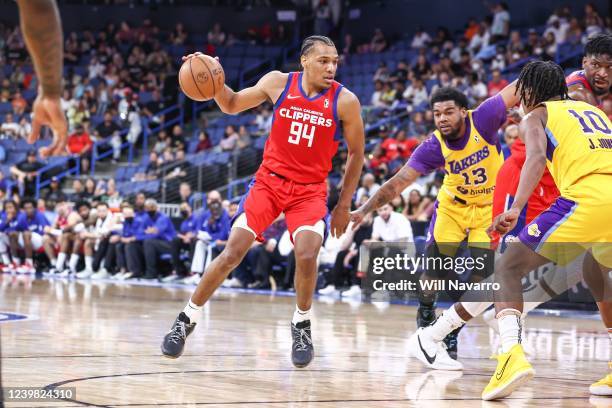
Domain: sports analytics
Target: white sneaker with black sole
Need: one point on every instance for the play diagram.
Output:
(432, 354)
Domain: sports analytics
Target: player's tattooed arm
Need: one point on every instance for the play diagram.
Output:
(268, 88)
(579, 93)
(42, 31)
(387, 192)
(349, 113)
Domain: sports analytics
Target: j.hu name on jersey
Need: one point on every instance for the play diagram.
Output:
(457, 167)
(306, 116)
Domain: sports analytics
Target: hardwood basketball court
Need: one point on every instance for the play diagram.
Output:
(104, 339)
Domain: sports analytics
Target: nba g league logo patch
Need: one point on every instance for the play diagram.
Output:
(533, 230)
(326, 103)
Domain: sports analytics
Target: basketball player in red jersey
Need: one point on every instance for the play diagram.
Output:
(311, 112)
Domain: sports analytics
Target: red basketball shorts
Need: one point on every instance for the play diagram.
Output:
(269, 194)
(507, 183)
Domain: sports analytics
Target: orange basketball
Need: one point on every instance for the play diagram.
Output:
(201, 77)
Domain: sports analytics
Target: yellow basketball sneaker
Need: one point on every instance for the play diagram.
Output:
(603, 387)
(512, 371)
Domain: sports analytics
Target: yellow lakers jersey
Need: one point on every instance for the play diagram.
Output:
(472, 170)
(579, 142)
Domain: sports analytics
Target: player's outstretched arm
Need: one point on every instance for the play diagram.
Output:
(532, 132)
(387, 192)
(42, 31)
(268, 88)
(509, 95)
(349, 113)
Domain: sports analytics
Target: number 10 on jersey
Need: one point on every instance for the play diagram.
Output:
(301, 130)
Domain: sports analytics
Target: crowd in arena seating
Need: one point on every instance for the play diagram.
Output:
(97, 232)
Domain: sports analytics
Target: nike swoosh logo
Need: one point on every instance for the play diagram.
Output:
(430, 359)
(293, 96)
(499, 375)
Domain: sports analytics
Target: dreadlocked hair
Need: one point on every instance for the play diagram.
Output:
(310, 42)
(540, 81)
(599, 44)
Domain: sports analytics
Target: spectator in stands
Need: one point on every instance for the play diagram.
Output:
(185, 239)
(346, 261)
(133, 120)
(244, 138)
(348, 46)
(558, 28)
(411, 211)
(377, 44)
(53, 233)
(268, 254)
(405, 145)
(230, 139)
(216, 36)
(163, 141)
(382, 72)
(185, 193)
(30, 226)
(156, 233)
(178, 35)
(263, 120)
(77, 114)
(213, 232)
(375, 100)
(90, 189)
(54, 193)
(79, 193)
(549, 46)
(574, 32)
(80, 144)
(368, 187)
(127, 238)
(471, 28)
(421, 39)
(25, 128)
(154, 106)
(71, 241)
(203, 142)
(9, 128)
(511, 134)
(477, 92)
(501, 22)
(26, 172)
(19, 103)
(109, 130)
(497, 83)
(416, 93)
(96, 242)
(422, 68)
(481, 39)
(417, 124)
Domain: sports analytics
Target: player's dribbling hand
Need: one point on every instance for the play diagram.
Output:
(339, 220)
(47, 111)
(504, 222)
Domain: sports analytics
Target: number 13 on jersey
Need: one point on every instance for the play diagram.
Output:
(300, 131)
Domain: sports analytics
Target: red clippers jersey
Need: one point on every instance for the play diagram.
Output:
(305, 133)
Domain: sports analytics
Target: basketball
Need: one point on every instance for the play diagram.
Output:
(201, 77)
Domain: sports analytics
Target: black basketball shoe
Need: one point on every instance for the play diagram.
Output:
(174, 340)
(302, 351)
(451, 342)
(426, 314)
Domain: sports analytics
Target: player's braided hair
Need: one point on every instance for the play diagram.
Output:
(599, 44)
(310, 42)
(540, 81)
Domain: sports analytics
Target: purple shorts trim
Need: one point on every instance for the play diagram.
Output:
(540, 229)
